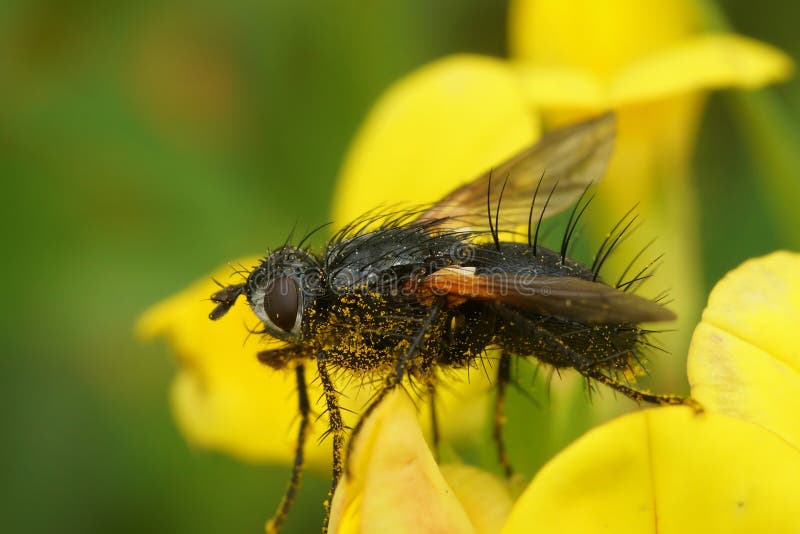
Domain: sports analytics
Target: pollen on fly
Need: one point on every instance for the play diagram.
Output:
(398, 296)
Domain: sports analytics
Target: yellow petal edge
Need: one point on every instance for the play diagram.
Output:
(700, 63)
(744, 359)
(695, 64)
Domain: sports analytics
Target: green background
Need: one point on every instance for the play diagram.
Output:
(143, 144)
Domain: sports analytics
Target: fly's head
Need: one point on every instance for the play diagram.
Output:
(280, 291)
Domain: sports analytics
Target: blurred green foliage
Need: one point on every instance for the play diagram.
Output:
(144, 143)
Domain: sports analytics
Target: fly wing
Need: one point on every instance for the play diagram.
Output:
(561, 165)
(566, 297)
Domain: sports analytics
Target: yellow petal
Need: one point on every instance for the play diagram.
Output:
(222, 397)
(744, 359)
(563, 87)
(666, 470)
(485, 497)
(705, 62)
(433, 130)
(598, 37)
(396, 485)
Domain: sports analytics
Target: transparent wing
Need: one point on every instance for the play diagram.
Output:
(570, 298)
(561, 165)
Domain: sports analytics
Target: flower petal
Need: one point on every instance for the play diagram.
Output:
(436, 128)
(396, 485)
(599, 37)
(665, 470)
(485, 497)
(744, 359)
(222, 397)
(563, 87)
(705, 62)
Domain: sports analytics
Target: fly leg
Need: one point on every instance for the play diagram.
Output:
(590, 370)
(274, 524)
(435, 435)
(335, 427)
(503, 379)
(394, 379)
(639, 395)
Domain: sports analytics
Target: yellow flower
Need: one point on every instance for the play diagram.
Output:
(451, 120)
(397, 487)
(653, 62)
(650, 61)
(731, 469)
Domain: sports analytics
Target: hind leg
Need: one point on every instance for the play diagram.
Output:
(639, 395)
(502, 381)
(589, 367)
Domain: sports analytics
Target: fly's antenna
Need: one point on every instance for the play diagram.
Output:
(224, 299)
(572, 223)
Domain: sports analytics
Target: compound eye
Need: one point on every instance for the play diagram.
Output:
(282, 304)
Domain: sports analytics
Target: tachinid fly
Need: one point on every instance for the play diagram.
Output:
(398, 295)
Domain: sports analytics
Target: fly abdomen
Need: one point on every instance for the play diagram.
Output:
(565, 343)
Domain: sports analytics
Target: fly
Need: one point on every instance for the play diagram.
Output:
(397, 296)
